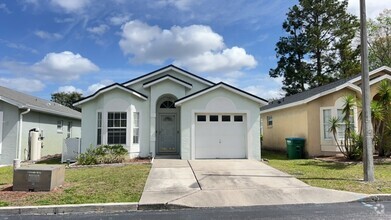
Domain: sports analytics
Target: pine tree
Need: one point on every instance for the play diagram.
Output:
(318, 46)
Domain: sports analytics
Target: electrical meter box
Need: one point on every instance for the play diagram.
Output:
(35, 178)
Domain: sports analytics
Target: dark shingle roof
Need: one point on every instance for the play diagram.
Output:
(306, 94)
(22, 100)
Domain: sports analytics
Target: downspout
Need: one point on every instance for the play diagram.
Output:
(19, 150)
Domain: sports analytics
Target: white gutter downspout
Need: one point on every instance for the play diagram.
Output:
(19, 150)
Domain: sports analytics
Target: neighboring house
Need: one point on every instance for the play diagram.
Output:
(19, 111)
(173, 112)
(307, 114)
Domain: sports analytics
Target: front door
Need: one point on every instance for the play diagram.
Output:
(167, 134)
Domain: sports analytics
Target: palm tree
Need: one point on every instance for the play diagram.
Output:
(384, 99)
(348, 147)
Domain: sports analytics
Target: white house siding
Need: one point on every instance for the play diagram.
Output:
(197, 85)
(46, 122)
(9, 132)
(116, 100)
(53, 140)
(166, 87)
(220, 101)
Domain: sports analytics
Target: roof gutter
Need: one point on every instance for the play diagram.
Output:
(19, 149)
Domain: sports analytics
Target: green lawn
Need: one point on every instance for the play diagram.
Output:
(82, 185)
(332, 175)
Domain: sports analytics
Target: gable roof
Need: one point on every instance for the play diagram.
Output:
(255, 98)
(164, 69)
(312, 94)
(108, 88)
(380, 69)
(168, 77)
(24, 101)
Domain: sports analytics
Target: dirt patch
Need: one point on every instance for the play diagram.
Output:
(342, 159)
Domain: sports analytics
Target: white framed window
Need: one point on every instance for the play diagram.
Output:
(269, 120)
(201, 118)
(116, 128)
(60, 126)
(136, 127)
(342, 124)
(326, 124)
(69, 129)
(238, 118)
(99, 128)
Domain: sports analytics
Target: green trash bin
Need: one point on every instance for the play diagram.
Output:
(295, 147)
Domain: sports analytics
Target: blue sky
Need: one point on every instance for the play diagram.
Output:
(82, 45)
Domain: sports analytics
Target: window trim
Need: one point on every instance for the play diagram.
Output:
(133, 127)
(99, 129)
(120, 127)
(61, 124)
(238, 121)
(269, 118)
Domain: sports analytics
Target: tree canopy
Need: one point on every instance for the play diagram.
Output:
(66, 99)
(379, 40)
(317, 48)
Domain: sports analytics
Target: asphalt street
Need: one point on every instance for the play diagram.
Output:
(356, 210)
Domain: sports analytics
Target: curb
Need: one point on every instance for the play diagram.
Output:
(376, 198)
(162, 206)
(68, 209)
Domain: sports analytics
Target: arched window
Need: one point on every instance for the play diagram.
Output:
(167, 104)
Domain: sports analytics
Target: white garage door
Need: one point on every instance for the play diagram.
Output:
(220, 136)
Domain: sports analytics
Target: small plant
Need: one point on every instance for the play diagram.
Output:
(103, 154)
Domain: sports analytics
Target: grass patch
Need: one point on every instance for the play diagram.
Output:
(333, 175)
(83, 185)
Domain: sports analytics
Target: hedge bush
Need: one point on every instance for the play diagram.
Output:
(103, 154)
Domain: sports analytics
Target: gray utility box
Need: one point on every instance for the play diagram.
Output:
(36, 178)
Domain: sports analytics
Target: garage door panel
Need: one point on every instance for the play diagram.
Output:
(221, 139)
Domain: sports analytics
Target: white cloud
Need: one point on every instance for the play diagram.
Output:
(264, 92)
(98, 30)
(18, 46)
(95, 87)
(196, 47)
(3, 7)
(179, 4)
(69, 89)
(373, 8)
(63, 66)
(22, 84)
(119, 19)
(229, 59)
(47, 35)
(71, 5)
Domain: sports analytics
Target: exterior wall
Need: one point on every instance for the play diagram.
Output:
(291, 122)
(157, 91)
(316, 146)
(53, 141)
(116, 101)
(301, 121)
(220, 101)
(47, 124)
(197, 85)
(9, 132)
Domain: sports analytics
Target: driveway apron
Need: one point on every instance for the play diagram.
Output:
(219, 183)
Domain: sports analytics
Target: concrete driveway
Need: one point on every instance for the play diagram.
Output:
(218, 183)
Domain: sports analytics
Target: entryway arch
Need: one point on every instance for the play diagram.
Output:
(167, 124)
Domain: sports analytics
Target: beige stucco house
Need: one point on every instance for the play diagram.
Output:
(307, 114)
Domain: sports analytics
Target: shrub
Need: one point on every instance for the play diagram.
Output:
(103, 154)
